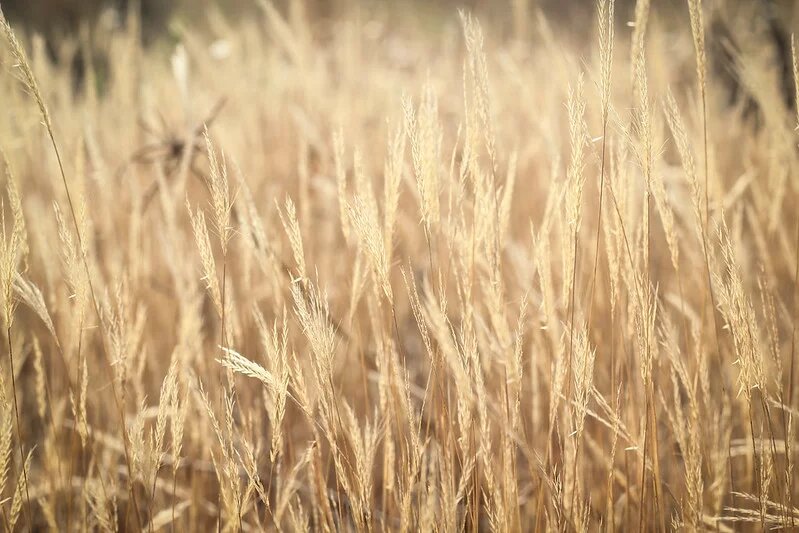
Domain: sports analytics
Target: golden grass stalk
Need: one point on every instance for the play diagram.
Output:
(605, 14)
(30, 83)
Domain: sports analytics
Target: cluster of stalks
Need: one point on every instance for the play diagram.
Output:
(406, 280)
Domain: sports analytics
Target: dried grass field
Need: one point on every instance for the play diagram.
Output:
(398, 268)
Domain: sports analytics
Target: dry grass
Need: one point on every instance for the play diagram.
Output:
(400, 280)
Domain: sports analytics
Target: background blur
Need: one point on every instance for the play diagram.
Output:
(74, 31)
(55, 19)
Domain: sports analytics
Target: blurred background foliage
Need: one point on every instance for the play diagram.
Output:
(59, 19)
(74, 31)
(56, 19)
(62, 18)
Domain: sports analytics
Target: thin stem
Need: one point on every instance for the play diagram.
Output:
(19, 433)
(112, 380)
(174, 494)
(571, 312)
(756, 462)
(598, 218)
(791, 390)
(643, 474)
